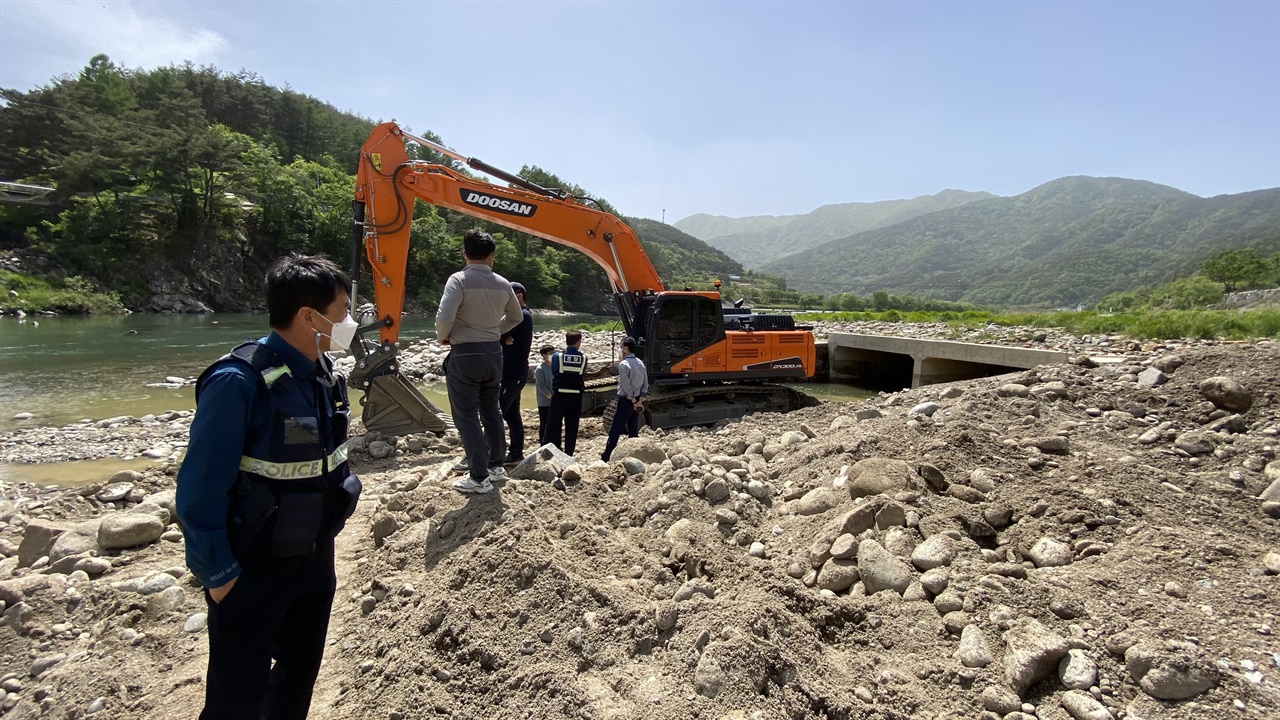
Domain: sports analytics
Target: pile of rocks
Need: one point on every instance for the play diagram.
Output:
(992, 549)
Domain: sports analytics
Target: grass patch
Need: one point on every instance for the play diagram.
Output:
(1149, 324)
(612, 325)
(74, 295)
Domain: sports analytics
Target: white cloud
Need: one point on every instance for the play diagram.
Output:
(133, 34)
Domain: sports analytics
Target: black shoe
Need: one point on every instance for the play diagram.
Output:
(512, 460)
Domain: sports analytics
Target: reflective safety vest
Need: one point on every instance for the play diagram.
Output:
(295, 487)
(568, 368)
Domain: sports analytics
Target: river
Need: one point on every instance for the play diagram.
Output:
(64, 369)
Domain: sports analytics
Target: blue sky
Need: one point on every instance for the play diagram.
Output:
(739, 108)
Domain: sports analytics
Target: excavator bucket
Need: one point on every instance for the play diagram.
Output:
(392, 406)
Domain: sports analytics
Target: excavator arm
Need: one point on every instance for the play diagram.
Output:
(387, 184)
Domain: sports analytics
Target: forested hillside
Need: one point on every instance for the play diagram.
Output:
(756, 241)
(176, 187)
(1069, 241)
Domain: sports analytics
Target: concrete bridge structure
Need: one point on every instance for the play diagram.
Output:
(898, 362)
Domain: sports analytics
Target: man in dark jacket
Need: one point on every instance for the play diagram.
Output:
(262, 492)
(516, 345)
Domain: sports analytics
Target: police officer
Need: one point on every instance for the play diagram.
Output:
(568, 379)
(262, 492)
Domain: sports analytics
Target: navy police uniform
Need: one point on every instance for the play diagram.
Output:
(262, 492)
(568, 379)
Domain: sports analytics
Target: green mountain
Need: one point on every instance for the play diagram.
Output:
(681, 258)
(755, 241)
(1069, 241)
(710, 227)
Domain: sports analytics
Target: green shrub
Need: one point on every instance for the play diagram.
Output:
(74, 295)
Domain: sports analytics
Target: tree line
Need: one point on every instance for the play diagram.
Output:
(191, 173)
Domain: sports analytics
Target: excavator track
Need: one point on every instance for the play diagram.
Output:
(709, 404)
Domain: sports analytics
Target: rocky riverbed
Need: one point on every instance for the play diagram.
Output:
(1076, 541)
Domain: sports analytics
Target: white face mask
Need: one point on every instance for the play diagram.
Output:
(341, 334)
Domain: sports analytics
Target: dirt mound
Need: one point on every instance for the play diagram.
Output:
(1072, 542)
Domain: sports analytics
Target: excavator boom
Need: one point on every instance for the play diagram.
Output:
(388, 182)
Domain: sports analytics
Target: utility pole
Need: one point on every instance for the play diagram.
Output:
(664, 216)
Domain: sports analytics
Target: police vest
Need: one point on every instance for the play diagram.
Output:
(295, 487)
(568, 370)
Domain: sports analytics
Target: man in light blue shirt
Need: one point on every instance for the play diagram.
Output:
(633, 385)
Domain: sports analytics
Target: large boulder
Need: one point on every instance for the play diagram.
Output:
(545, 464)
(937, 551)
(125, 530)
(860, 518)
(24, 588)
(838, 575)
(1032, 654)
(974, 651)
(1048, 552)
(166, 499)
(37, 540)
(815, 502)
(880, 570)
(727, 462)
(877, 475)
(1170, 671)
(1196, 442)
(1226, 393)
(81, 539)
(644, 449)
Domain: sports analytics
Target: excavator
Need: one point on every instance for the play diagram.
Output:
(706, 362)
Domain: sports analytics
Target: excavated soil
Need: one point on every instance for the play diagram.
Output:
(1103, 548)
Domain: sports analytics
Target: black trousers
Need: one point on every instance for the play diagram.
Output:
(279, 613)
(543, 412)
(509, 401)
(566, 408)
(474, 381)
(625, 419)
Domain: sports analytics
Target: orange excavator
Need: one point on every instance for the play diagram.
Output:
(706, 362)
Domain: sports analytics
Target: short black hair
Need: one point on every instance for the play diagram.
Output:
(628, 343)
(545, 349)
(573, 337)
(296, 281)
(477, 244)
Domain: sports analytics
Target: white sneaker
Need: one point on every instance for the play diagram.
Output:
(497, 473)
(462, 466)
(469, 485)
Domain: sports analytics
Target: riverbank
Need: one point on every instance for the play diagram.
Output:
(1071, 541)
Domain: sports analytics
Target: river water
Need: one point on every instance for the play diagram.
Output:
(64, 369)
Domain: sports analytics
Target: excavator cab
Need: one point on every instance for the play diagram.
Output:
(678, 327)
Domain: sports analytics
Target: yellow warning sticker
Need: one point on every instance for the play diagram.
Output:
(376, 159)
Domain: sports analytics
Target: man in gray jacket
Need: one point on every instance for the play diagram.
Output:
(477, 307)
